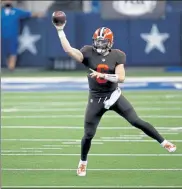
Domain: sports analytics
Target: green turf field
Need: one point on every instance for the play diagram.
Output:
(41, 135)
(130, 72)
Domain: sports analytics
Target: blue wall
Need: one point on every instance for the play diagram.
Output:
(79, 31)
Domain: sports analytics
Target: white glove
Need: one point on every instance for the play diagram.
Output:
(59, 28)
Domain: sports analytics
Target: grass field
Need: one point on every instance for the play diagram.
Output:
(41, 135)
(131, 72)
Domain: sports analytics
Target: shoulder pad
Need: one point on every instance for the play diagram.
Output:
(119, 51)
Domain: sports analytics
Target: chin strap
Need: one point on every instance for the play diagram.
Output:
(102, 53)
(111, 77)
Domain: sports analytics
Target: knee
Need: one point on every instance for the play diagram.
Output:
(134, 120)
(89, 132)
(89, 135)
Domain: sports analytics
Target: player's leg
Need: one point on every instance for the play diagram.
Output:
(94, 112)
(125, 109)
(12, 51)
(11, 62)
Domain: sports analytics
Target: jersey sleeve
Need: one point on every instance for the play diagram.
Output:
(85, 51)
(121, 57)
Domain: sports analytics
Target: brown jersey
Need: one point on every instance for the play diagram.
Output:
(103, 64)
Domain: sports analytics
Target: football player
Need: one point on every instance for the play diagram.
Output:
(107, 70)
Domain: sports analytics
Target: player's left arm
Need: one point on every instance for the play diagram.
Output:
(119, 69)
(120, 72)
(119, 75)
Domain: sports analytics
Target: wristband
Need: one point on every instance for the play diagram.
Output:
(61, 33)
(111, 77)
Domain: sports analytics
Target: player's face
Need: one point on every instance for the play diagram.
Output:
(101, 45)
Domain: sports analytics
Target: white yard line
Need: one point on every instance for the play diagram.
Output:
(19, 109)
(105, 155)
(61, 96)
(167, 128)
(54, 145)
(76, 140)
(78, 143)
(164, 133)
(12, 151)
(54, 169)
(93, 186)
(41, 149)
(82, 116)
(68, 144)
(122, 137)
(58, 103)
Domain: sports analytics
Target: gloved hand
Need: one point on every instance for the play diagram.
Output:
(59, 26)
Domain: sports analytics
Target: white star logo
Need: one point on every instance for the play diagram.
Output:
(27, 41)
(154, 40)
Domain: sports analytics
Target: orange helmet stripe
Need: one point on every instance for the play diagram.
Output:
(103, 32)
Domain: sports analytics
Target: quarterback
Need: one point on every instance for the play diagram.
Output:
(106, 71)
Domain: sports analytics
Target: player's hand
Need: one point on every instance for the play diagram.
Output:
(96, 74)
(59, 27)
(59, 19)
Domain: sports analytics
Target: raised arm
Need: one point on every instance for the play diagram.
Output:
(72, 52)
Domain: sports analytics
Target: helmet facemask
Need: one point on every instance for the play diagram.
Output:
(101, 45)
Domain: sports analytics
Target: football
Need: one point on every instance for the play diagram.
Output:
(58, 18)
